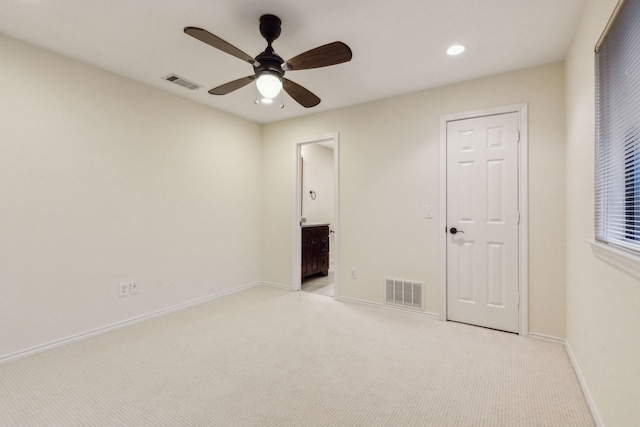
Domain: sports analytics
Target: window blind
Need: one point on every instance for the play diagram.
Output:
(617, 155)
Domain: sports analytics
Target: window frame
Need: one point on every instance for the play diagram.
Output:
(617, 150)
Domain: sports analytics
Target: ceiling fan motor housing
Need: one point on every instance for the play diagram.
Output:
(269, 62)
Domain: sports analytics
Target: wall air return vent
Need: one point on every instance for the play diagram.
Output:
(173, 78)
(404, 293)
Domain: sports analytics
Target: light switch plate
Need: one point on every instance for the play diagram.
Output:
(428, 212)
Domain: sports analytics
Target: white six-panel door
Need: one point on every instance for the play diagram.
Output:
(482, 207)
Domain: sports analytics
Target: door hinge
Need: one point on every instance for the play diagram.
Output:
(518, 217)
(518, 136)
(518, 298)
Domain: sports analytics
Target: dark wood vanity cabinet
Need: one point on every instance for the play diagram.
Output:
(315, 250)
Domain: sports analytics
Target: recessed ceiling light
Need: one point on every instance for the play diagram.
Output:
(456, 49)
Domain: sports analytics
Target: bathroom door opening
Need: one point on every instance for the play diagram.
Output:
(316, 221)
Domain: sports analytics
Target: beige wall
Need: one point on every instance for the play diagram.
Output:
(104, 180)
(603, 303)
(389, 169)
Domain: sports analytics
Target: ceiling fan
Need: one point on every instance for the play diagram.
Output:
(269, 68)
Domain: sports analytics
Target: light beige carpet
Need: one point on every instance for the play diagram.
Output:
(266, 357)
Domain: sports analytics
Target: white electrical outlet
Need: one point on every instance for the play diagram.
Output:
(134, 288)
(124, 289)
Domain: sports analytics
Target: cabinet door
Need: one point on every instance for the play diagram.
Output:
(306, 256)
(315, 256)
(324, 245)
(324, 264)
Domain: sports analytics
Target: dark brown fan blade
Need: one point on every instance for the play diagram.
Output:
(302, 96)
(323, 56)
(215, 41)
(231, 86)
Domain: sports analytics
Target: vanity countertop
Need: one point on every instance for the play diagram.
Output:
(305, 225)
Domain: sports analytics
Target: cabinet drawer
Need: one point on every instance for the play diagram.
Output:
(324, 245)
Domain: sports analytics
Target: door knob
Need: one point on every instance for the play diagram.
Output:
(454, 230)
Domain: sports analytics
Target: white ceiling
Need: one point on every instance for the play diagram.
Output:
(398, 46)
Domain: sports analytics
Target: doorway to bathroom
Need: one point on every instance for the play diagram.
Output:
(316, 220)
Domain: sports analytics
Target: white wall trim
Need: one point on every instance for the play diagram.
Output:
(275, 285)
(583, 386)
(626, 261)
(548, 338)
(442, 250)
(118, 325)
(434, 316)
(523, 186)
(523, 202)
(296, 239)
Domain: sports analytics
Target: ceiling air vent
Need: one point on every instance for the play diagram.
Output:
(173, 78)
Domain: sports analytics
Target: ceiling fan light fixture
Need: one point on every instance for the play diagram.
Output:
(269, 68)
(269, 85)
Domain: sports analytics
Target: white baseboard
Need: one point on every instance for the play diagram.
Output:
(389, 307)
(583, 385)
(275, 285)
(102, 330)
(549, 338)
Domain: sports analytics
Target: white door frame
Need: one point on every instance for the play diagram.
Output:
(296, 241)
(523, 234)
